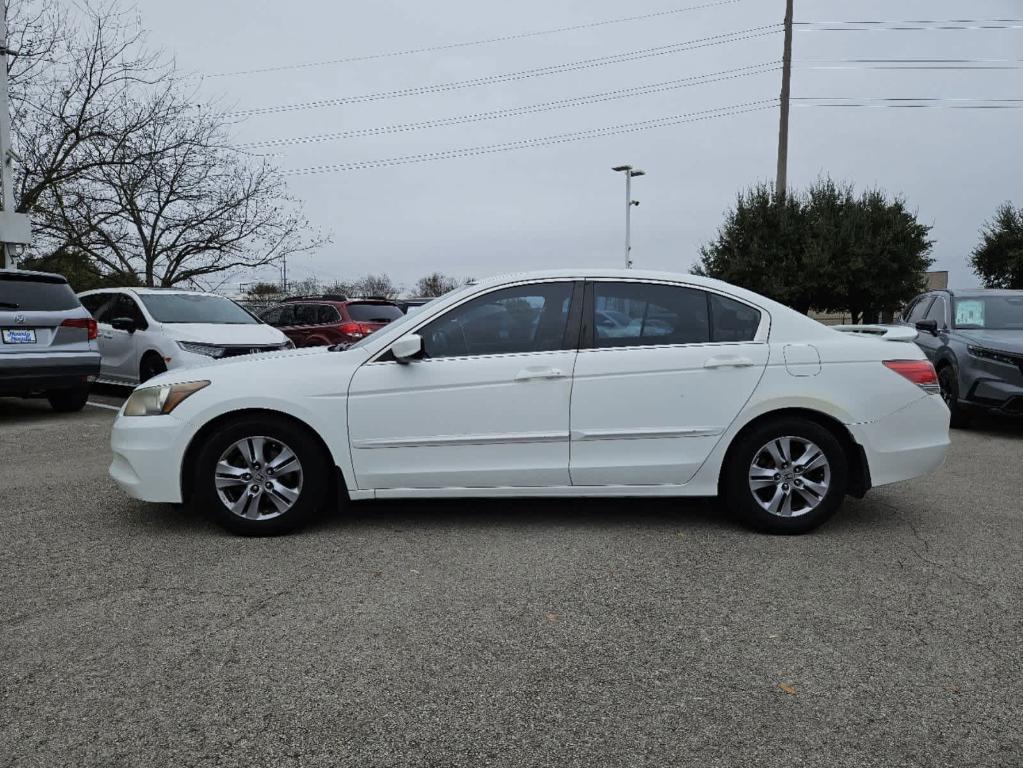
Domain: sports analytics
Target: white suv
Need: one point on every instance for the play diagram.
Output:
(146, 331)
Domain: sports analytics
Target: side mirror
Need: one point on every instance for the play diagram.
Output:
(123, 324)
(930, 326)
(407, 347)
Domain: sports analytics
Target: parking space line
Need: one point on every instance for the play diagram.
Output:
(103, 405)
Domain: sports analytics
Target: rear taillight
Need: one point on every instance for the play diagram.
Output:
(354, 330)
(920, 372)
(82, 322)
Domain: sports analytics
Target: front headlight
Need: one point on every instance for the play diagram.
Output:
(162, 399)
(210, 350)
(289, 344)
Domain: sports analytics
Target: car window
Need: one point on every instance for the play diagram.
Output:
(287, 315)
(98, 305)
(196, 308)
(124, 305)
(35, 294)
(327, 315)
(919, 310)
(937, 312)
(525, 318)
(305, 314)
(732, 320)
(639, 314)
(271, 316)
(999, 313)
(373, 312)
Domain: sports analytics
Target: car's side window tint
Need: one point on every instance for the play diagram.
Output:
(919, 310)
(287, 315)
(272, 316)
(937, 312)
(98, 305)
(732, 320)
(640, 314)
(125, 306)
(526, 318)
(327, 315)
(305, 314)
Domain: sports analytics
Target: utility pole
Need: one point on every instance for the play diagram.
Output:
(782, 180)
(629, 202)
(15, 228)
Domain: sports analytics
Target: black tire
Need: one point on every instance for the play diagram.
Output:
(152, 365)
(739, 498)
(68, 400)
(949, 381)
(315, 476)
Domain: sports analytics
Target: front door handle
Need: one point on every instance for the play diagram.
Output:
(728, 361)
(528, 374)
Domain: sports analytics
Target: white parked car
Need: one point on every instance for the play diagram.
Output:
(146, 331)
(515, 387)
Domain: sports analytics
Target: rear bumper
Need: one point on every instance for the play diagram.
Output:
(909, 443)
(39, 372)
(147, 454)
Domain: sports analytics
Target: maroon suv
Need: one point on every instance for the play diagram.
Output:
(315, 321)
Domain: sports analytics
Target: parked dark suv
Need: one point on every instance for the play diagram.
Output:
(47, 340)
(975, 340)
(315, 321)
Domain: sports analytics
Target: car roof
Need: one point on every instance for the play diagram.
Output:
(980, 292)
(144, 291)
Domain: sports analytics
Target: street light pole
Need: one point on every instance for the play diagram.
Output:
(629, 172)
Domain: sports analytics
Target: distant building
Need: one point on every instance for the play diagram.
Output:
(937, 280)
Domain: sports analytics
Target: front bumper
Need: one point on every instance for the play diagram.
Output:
(909, 443)
(147, 456)
(30, 374)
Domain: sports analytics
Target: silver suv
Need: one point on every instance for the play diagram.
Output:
(47, 340)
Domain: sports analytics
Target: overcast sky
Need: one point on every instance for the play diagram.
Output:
(561, 205)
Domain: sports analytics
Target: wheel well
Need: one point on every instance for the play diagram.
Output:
(337, 484)
(859, 469)
(146, 356)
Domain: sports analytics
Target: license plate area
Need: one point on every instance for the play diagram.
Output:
(18, 335)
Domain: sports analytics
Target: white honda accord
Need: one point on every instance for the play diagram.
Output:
(557, 383)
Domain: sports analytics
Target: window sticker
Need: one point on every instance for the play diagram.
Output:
(970, 313)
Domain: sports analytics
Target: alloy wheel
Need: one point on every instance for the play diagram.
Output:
(258, 478)
(789, 476)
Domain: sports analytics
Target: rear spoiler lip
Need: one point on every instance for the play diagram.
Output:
(886, 332)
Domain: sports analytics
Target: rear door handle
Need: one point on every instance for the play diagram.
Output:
(728, 361)
(528, 374)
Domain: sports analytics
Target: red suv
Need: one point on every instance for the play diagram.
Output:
(316, 321)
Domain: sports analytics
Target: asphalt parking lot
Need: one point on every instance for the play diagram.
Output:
(560, 633)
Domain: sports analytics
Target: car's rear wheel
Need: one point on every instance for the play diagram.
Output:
(152, 365)
(949, 383)
(68, 400)
(261, 476)
(786, 476)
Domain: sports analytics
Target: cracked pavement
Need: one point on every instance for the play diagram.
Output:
(560, 633)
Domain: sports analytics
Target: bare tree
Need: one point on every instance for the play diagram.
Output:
(436, 284)
(375, 285)
(117, 164)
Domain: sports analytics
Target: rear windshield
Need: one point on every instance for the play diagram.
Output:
(374, 313)
(34, 295)
(195, 308)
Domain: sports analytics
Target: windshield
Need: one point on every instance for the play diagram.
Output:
(373, 313)
(401, 322)
(989, 313)
(195, 308)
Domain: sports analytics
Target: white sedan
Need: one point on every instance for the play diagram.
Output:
(559, 383)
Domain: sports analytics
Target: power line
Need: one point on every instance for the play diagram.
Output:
(543, 141)
(470, 43)
(912, 64)
(907, 26)
(645, 53)
(622, 93)
(908, 102)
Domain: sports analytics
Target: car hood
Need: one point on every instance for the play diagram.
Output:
(287, 368)
(1001, 341)
(225, 333)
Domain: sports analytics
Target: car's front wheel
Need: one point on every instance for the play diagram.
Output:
(949, 383)
(785, 476)
(261, 476)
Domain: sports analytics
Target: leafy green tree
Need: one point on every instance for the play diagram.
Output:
(81, 272)
(998, 259)
(823, 249)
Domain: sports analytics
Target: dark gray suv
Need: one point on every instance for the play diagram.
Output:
(975, 340)
(47, 340)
